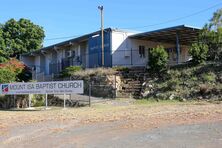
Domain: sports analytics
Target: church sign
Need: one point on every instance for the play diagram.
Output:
(54, 87)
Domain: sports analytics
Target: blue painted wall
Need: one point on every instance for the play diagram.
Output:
(95, 50)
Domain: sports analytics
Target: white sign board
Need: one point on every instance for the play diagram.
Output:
(54, 87)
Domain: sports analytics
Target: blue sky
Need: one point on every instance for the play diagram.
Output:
(65, 18)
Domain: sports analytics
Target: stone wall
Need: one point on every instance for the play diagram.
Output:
(102, 86)
(118, 83)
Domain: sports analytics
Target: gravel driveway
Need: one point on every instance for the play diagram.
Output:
(128, 125)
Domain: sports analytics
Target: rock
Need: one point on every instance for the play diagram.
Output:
(200, 98)
(144, 84)
(150, 86)
(203, 89)
(146, 93)
(220, 79)
(160, 96)
(171, 96)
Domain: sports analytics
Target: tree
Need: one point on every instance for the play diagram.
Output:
(211, 35)
(7, 75)
(158, 58)
(3, 53)
(216, 20)
(20, 36)
(199, 52)
(16, 70)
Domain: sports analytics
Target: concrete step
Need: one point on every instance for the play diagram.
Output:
(130, 91)
(133, 82)
(131, 87)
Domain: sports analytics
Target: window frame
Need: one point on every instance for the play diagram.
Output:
(142, 51)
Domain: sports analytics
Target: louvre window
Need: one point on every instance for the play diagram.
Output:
(142, 51)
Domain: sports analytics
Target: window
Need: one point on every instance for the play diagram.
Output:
(67, 53)
(73, 53)
(70, 53)
(172, 52)
(142, 51)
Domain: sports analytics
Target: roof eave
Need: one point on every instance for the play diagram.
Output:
(165, 29)
(80, 38)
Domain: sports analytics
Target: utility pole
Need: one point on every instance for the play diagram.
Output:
(102, 33)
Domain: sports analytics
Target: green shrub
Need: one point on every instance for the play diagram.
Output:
(172, 84)
(7, 75)
(174, 73)
(94, 72)
(158, 58)
(180, 99)
(39, 103)
(14, 70)
(199, 52)
(194, 78)
(121, 68)
(38, 100)
(71, 70)
(209, 77)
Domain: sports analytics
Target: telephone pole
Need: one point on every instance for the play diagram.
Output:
(102, 34)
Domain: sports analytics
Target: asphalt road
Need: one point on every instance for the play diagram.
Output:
(208, 135)
(156, 126)
(204, 135)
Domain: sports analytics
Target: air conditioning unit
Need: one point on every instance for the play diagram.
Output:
(68, 53)
(127, 53)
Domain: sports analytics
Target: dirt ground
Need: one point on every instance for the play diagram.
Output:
(116, 124)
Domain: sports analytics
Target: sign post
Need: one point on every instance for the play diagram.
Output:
(90, 88)
(30, 100)
(14, 100)
(46, 101)
(64, 97)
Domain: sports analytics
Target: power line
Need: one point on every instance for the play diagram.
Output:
(64, 37)
(58, 38)
(151, 25)
(176, 19)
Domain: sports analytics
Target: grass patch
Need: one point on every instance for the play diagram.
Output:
(189, 82)
(101, 106)
(151, 102)
(155, 102)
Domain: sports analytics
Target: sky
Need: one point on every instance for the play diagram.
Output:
(65, 19)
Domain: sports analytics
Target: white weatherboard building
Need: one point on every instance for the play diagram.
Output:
(121, 48)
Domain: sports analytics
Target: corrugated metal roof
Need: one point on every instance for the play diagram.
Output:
(187, 35)
(67, 42)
